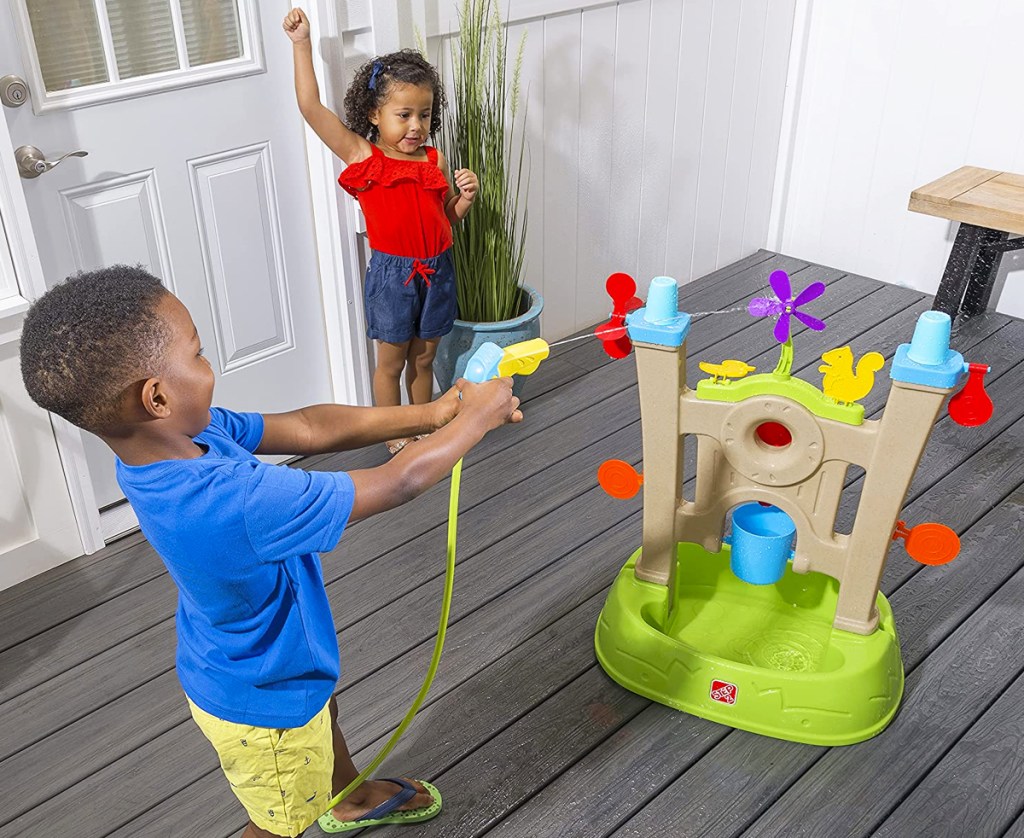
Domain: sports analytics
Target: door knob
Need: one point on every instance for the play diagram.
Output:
(32, 162)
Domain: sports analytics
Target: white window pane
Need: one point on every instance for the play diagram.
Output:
(211, 30)
(143, 36)
(68, 45)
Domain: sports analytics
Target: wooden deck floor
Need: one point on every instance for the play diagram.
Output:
(524, 733)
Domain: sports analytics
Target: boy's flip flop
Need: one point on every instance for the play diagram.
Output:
(387, 812)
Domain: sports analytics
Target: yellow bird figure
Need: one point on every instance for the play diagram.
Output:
(721, 373)
(840, 382)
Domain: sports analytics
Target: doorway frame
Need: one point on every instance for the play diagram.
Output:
(336, 222)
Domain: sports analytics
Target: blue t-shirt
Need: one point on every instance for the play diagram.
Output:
(240, 538)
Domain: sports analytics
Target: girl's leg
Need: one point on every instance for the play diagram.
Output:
(372, 792)
(419, 372)
(387, 379)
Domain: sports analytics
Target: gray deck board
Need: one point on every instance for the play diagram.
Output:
(523, 731)
(977, 788)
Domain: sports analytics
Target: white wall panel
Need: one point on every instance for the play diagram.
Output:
(894, 94)
(659, 134)
(561, 50)
(653, 131)
(768, 123)
(234, 196)
(118, 221)
(594, 188)
(684, 175)
(722, 61)
(536, 150)
(746, 78)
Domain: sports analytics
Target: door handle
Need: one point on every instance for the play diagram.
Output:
(33, 163)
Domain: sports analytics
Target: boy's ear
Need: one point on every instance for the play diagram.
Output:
(154, 398)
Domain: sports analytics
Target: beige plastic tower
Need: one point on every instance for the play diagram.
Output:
(805, 479)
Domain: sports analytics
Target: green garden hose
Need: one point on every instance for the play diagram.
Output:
(435, 659)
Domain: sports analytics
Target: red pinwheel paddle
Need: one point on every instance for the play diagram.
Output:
(612, 334)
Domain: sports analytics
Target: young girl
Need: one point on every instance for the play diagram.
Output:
(392, 107)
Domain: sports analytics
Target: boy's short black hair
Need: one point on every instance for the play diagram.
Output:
(86, 340)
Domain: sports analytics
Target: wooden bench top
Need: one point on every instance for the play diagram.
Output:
(983, 197)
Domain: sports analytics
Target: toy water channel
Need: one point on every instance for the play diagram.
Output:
(773, 623)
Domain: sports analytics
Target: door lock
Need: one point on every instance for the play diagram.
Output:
(33, 163)
(13, 91)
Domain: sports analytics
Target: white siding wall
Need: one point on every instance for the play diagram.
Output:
(653, 131)
(896, 93)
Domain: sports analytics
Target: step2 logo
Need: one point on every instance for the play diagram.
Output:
(724, 692)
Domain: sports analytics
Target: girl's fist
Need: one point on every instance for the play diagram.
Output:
(467, 184)
(296, 25)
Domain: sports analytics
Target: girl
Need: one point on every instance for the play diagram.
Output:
(392, 106)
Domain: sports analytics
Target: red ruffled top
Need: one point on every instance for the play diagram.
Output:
(403, 201)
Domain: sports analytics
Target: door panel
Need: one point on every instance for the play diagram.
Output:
(38, 529)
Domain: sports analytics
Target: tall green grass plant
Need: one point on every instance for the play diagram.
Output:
(481, 131)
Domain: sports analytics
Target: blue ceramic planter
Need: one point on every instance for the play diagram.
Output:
(458, 346)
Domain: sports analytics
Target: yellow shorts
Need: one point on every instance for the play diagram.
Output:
(281, 776)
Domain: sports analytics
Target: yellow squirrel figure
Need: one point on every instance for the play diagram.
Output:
(841, 382)
(727, 369)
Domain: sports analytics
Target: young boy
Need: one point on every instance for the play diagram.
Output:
(115, 353)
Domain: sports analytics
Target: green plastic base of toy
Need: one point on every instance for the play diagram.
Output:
(784, 671)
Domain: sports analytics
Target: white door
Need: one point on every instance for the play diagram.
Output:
(196, 169)
(38, 529)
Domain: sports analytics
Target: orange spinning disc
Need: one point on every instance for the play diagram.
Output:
(931, 544)
(619, 479)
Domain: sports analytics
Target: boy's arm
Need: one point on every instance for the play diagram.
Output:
(345, 143)
(458, 204)
(418, 467)
(324, 428)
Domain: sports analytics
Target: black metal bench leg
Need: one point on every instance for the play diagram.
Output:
(983, 273)
(958, 269)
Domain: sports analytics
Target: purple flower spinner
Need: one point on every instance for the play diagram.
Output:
(784, 305)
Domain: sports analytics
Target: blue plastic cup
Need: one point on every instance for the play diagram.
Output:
(762, 543)
(930, 343)
(662, 300)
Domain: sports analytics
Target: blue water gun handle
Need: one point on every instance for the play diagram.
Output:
(483, 365)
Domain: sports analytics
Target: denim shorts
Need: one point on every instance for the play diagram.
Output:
(406, 297)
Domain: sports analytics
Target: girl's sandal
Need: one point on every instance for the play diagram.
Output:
(388, 811)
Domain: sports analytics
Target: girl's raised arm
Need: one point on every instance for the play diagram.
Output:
(345, 143)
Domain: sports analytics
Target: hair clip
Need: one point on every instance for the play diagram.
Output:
(377, 67)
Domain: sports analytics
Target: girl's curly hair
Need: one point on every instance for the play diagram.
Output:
(406, 66)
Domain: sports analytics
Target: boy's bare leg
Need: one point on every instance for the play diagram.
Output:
(419, 372)
(372, 792)
(387, 378)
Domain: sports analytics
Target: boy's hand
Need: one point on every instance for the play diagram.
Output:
(447, 407)
(493, 399)
(467, 184)
(296, 25)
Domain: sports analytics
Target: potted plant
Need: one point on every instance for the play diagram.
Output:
(479, 133)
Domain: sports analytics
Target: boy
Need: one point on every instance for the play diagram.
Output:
(115, 353)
